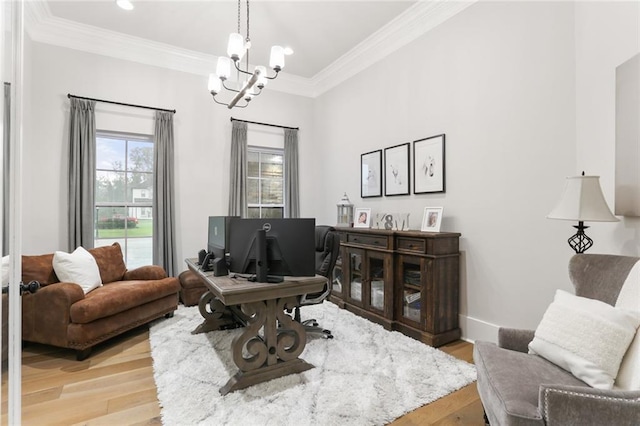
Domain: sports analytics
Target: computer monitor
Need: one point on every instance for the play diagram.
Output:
(218, 235)
(269, 249)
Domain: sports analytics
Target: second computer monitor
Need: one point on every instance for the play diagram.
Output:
(218, 239)
(289, 246)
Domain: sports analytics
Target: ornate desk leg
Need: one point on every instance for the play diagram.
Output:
(272, 354)
(216, 315)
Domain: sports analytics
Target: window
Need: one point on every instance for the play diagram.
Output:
(124, 195)
(265, 182)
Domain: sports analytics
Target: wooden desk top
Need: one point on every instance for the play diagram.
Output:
(234, 291)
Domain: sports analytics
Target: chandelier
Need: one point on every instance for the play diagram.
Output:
(237, 49)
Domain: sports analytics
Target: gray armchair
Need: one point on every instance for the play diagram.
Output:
(517, 388)
(327, 248)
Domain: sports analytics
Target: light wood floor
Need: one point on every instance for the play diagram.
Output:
(115, 386)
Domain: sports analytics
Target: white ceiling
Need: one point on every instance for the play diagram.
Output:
(318, 31)
(332, 40)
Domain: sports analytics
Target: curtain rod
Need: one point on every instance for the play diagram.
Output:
(265, 124)
(69, 95)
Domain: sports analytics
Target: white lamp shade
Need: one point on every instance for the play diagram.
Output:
(276, 60)
(235, 48)
(223, 68)
(583, 201)
(215, 85)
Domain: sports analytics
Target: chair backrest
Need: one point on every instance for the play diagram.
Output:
(327, 249)
(600, 276)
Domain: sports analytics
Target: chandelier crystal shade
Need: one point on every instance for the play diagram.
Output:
(245, 89)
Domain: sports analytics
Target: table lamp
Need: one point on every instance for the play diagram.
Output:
(582, 201)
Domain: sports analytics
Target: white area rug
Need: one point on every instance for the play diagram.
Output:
(365, 375)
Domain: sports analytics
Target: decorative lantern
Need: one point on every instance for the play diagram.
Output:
(345, 211)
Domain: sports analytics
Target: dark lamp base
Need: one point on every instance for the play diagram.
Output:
(580, 242)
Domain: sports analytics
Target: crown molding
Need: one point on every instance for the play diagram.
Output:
(43, 27)
(406, 27)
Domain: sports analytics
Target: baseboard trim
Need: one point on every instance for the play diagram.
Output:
(475, 329)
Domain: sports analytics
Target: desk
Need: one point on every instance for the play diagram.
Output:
(257, 306)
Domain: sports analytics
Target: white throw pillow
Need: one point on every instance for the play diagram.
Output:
(586, 337)
(4, 267)
(629, 298)
(79, 267)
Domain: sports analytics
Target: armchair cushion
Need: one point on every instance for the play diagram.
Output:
(509, 382)
(586, 337)
(39, 268)
(78, 267)
(110, 262)
(113, 299)
(515, 339)
(5, 270)
(629, 298)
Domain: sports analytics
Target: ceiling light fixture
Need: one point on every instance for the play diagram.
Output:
(246, 90)
(124, 4)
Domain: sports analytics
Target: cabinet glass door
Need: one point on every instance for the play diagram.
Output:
(376, 278)
(355, 279)
(336, 281)
(411, 289)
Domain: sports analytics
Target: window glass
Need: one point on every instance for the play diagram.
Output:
(253, 164)
(265, 182)
(124, 195)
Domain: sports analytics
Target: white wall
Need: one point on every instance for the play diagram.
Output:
(500, 80)
(523, 90)
(607, 34)
(202, 134)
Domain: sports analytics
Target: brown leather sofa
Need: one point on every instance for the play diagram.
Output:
(60, 314)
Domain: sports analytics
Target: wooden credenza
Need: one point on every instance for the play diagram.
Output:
(404, 280)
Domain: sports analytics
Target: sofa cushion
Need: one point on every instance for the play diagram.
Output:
(110, 262)
(5, 270)
(509, 381)
(78, 267)
(119, 296)
(39, 268)
(586, 337)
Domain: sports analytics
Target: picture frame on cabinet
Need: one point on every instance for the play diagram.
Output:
(432, 219)
(371, 174)
(362, 218)
(429, 165)
(396, 170)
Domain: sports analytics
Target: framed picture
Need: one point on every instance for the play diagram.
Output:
(362, 218)
(396, 170)
(428, 165)
(371, 172)
(432, 219)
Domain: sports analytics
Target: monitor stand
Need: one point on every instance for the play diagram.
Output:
(262, 264)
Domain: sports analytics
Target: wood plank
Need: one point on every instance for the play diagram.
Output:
(115, 386)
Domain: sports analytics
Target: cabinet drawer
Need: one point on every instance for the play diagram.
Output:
(412, 244)
(368, 240)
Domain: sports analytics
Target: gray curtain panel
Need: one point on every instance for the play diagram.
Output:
(82, 170)
(163, 192)
(291, 181)
(238, 170)
(6, 119)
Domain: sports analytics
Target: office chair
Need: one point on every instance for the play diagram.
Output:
(327, 250)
